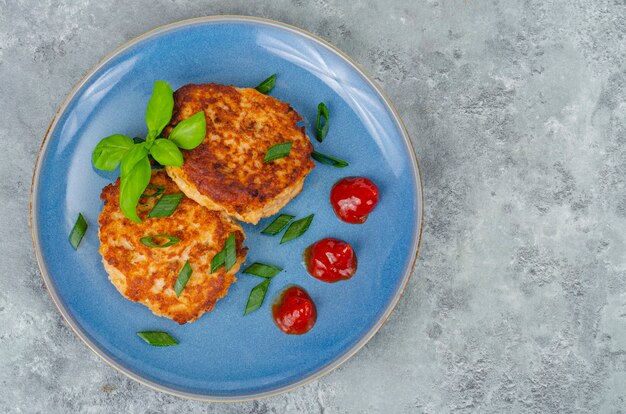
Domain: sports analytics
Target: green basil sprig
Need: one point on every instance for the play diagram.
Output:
(132, 154)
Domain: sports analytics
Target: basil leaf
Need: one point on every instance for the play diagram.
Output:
(328, 160)
(159, 110)
(189, 133)
(262, 270)
(230, 252)
(166, 205)
(132, 157)
(78, 231)
(257, 295)
(278, 151)
(156, 338)
(132, 186)
(277, 225)
(149, 241)
(109, 152)
(183, 278)
(166, 153)
(297, 229)
(267, 85)
(322, 130)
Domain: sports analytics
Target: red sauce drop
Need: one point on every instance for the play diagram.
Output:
(294, 312)
(330, 260)
(353, 198)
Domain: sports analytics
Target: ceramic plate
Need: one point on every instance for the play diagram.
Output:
(224, 355)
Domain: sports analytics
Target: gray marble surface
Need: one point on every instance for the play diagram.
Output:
(517, 111)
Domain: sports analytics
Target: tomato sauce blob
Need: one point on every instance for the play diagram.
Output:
(330, 260)
(353, 198)
(294, 312)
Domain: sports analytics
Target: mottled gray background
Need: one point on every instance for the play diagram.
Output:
(517, 113)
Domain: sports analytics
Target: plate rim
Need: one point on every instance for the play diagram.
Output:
(94, 347)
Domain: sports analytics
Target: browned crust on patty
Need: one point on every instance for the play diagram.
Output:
(147, 275)
(226, 172)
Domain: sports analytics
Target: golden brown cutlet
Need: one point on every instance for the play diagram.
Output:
(147, 274)
(227, 172)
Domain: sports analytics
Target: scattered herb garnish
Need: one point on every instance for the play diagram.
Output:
(156, 338)
(78, 231)
(217, 261)
(278, 151)
(257, 295)
(227, 256)
(277, 225)
(150, 240)
(135, 171)
(158, 190)
(297, 229)
(322, 129)
(267, 85)
(262, 270)
(166, 205)
(328, 160)
(183, 278)
(230, 252)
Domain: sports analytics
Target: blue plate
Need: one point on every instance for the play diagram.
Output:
(224, 355)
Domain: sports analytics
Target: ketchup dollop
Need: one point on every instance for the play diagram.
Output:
(330, 260)
(353, 198)
(294, 312)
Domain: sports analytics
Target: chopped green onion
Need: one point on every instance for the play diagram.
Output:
(230, 252)
(158, 190)
(183, 278)
(149, 240)
(217, 261)
(277, 225)
(328, 160)
(262, 270)
(297, 229)
(278, 151)
(267, 85)
(78, 231)
(166, 205)
(156, 338)
(257, 294)
(227, 256)
(322, 130)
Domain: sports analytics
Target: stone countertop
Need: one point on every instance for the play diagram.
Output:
(517, 113)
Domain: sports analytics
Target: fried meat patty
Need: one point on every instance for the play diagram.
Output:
(226, 172)
(147, 274)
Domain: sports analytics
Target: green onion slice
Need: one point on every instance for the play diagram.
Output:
(322, 129)
(297, 229)
(262, 270)
(183, 278)
(166, 205)
(217, 261)
(156, 338)
(230, 252)
(158, 190)
(150, 242)
(78, 231)
(257, 294)
(277, 225)
(267, 85)
(328, 160)
(278, 151)
(227, 256)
